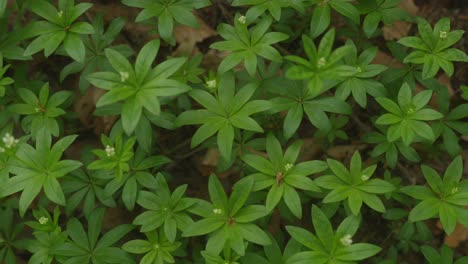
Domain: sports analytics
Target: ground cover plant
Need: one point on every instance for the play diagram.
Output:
(232, 131)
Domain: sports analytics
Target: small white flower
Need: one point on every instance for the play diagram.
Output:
(442, 34)
(364, 177)
(410, 110)
(60, 14)
(217, 211)
(346, 240)
(110, 151)
(211, 84)
(288, 166)
(123, 76)
(454, 190)
(37, 109)
(242, 19)
(321, 62)
(43, 220)
(9, 141)
(359, 69)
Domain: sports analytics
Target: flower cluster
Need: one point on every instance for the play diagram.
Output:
(9, 141)
(110, 151)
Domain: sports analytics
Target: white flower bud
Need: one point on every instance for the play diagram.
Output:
(346, 240)
(321, 62)
(211, 84)
(60, 14)
(454, 190)
(43, 220)
(442, 34)
(110, 151)
(123, 76)
(242, 19)
(217, 211)
(288, 166)
(9, 141)
(364, 177)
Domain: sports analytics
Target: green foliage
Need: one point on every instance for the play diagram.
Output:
(168, 12)
(323, 66)
(445, 255)
(113, 156)
(361, 83)
(247, 45)
(354, 185)
(228, 220)
(95, 51)
(164, 209)
(4, 81)
(327, 245)
(445, 197)
(274, 7)
(433, 47)
(386, 11)
(406, 119)
(322, 14)
(60, 27)
(298, 99)
(39, 168)
(282, 175)
(157, 248)
(41, 110)
(140, 85)
(90, 247)
(223, 113)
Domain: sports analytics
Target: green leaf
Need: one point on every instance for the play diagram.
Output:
(145, 58)
(53, 191)
(45, 10)
(424, 210)
(357, 252)
(254, 234)
(250, 213)
(259, 163)
(292, 200)
(74, 47)
(292, 120)
(305, 237)
(131, 113)
(207, 130)
(346, 9)
(203, 227)
(448, 218)
(217, 195)
(274, 150)
(31, 190)
(371, 22)
(241, 192)
(119, 62)
(301, 182)
(320, 20)
(137, 246)
(274, 196)
(225, 139)
(432, 178)
(322, 226)
(165, 25)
